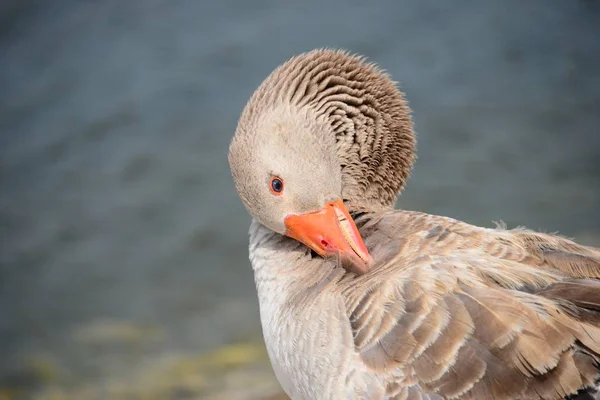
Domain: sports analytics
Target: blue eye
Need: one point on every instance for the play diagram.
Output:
(276, 185)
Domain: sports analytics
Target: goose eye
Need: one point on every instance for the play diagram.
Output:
(276, 185)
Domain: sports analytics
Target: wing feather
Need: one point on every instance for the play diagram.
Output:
(462, 312)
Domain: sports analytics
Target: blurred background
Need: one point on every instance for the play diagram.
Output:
(124, 271)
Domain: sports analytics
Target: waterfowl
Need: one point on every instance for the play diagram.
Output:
(361, 301)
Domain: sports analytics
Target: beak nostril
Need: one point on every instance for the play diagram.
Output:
(330, 231)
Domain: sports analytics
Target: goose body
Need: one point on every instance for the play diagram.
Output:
(360, 301)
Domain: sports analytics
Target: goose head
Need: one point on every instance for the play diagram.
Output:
(325, 136)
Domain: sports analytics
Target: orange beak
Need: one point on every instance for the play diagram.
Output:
(331, 231)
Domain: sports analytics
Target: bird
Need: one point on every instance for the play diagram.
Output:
(360, 300)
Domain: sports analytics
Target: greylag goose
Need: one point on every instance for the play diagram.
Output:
(361, 301)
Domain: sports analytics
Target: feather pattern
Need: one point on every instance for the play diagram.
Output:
(485, 315)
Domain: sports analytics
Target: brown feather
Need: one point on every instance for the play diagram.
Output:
(486, 313)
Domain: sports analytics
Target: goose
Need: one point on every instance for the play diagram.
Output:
(359, 300)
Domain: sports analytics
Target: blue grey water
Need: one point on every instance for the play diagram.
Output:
(115, 116)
